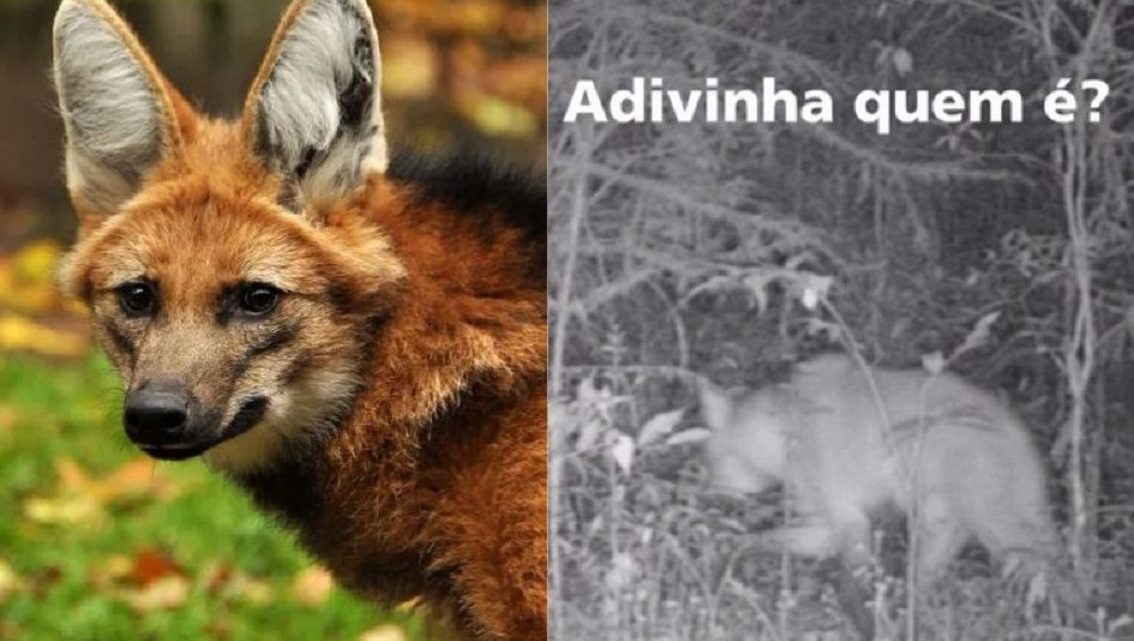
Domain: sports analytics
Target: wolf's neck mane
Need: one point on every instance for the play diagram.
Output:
(466, 337)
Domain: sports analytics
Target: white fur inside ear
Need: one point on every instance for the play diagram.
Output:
(318, 116)
(110, 109)
(716, 406)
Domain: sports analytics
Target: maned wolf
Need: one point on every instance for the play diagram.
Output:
(953, 455)
(359, 344)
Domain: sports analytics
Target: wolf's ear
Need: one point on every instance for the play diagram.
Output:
(314, 114)
(716, 404)
(118, 111)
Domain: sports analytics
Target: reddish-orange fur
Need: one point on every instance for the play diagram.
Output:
(433, 484)
(441, 479)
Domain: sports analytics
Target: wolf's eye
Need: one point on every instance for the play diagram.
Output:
(258, 299)
(137, 299)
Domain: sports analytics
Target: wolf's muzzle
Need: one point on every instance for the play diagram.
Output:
(165, 421)
(157, 414)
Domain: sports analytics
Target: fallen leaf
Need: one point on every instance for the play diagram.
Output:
(81, 498)
(110, 571)
(67, 510)
(167, 593)
(72, 478)
(251, 590)
(312, 586)
(138, 479)
(10, 582)
(383, 633)
(218, 577)
(226, 581)
(152, 565)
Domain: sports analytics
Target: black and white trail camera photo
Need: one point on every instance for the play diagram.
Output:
(841, 303)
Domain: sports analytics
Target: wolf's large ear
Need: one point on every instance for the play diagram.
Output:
(118, 111)
(716, 404)
(314, 114)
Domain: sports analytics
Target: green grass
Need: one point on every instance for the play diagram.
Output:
(53, 411)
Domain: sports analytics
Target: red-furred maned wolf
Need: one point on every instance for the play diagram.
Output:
(358, 343)
(957, 453)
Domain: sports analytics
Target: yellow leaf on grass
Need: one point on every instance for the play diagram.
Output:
(68, 510)
(137, 479)
(134, 480)
(110, 571)
(10, 582)
(72, 478)
(251, 590)
(312, 586)
(222, 579)
(383, 633)
(81, 498)
(167, 593)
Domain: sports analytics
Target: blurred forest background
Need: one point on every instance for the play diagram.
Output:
(96, 543)
(730, 251)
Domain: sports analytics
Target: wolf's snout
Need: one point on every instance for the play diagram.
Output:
(157, 415)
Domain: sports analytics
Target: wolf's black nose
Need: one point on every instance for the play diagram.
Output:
(156, 414)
